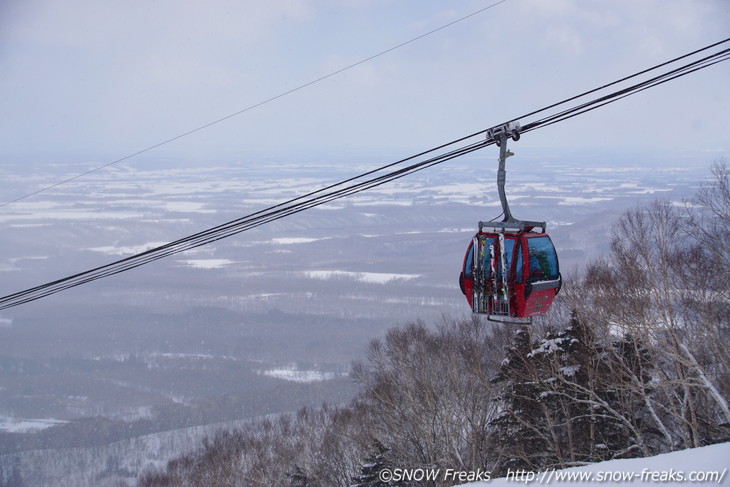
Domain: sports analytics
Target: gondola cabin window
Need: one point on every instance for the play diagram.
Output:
(543, 259)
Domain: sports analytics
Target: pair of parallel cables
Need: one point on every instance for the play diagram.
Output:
(383, 174)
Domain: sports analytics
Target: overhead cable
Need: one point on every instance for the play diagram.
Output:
(362, 182)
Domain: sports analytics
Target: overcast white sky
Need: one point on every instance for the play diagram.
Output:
(94, 80)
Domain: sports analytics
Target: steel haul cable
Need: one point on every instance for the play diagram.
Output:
(218, 233)
(359, 183)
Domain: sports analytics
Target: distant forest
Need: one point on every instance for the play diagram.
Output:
(632, 361)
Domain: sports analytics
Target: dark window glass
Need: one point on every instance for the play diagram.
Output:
(543, 259)
(509, 248)
(488, 256)
(469, 260)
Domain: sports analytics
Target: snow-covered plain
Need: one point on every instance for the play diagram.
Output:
(292, 373)
(371, 277)
(707, 465)
(16, 425)
(207, 263)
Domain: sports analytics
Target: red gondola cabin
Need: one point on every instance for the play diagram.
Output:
(510, 274)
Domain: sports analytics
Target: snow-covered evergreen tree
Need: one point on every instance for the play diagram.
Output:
(372, 466)
(298, 477)
(569, 399)
(519, 430)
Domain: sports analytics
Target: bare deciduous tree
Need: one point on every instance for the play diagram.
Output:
(665, 283)
(429, 393)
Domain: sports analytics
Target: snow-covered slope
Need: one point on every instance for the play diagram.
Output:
(709, 465)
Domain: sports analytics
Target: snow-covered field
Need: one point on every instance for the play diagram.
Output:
(292, 373)
(707, 465)
(16, 425)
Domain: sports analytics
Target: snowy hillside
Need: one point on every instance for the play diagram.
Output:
(103, 464)
(697, 466)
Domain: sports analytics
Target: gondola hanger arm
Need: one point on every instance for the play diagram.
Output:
(500, 134)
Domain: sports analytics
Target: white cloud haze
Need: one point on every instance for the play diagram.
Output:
(97, 80)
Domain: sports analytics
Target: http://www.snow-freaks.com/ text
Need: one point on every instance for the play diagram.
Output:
(550, 476)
